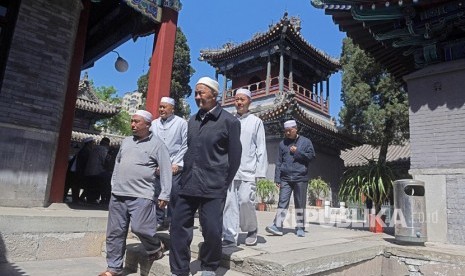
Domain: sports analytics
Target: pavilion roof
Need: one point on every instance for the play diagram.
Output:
(360, 155)
(288, 28)
(88, 101)
(403, 36)
(315, 126)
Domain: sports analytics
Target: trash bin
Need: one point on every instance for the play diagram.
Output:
(409, 211)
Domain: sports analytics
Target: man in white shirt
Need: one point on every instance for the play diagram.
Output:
(172, 130)
(239, 210)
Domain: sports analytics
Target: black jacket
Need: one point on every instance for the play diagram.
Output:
(293, 167)
(213, 154)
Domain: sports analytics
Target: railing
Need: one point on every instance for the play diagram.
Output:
(303, 95)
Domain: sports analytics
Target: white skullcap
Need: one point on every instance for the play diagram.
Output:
(167, 100)
(244, 92)
(213, 84)
(88, 139)
(290, 123)
(144, 114)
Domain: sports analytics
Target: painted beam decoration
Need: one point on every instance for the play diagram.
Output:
(153, 8)
(427, 32)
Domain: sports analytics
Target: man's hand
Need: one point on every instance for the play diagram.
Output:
(293, 149)
(162, 203)
(175, 168)
(278, 185)
(157, 171)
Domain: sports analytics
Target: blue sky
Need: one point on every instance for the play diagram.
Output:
(210, 24)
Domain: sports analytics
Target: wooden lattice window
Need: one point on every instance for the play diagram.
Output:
(8, 14)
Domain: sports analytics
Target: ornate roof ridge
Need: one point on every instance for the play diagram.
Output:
(88, 100)
(285, 24)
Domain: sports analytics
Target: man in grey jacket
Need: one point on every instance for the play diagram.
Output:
(133, 197)
(291, 175)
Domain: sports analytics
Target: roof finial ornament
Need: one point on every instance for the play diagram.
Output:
(285, 15)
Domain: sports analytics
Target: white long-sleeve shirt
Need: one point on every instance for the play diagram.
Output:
(173, 132)
(254, 159)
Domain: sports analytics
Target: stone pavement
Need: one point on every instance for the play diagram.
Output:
(325, 250)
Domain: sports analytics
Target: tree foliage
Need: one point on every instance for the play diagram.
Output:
(375, 105)
(182, 72)
(118, 124)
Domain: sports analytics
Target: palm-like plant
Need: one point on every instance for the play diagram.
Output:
(373, 180)
(318, 187)
(266, 189)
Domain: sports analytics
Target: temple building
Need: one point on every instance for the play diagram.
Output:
(90, 109)
(422, 44)
(289, 79)
(44, 46)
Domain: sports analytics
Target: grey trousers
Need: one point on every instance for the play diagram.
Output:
(300, 201)
(141, 213)
(239, 209)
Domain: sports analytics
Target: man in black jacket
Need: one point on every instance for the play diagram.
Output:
(213, 156)
(291, 176)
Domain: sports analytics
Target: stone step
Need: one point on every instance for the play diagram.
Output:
(30, 234)
(136, 262)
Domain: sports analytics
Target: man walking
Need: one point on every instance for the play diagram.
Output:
(210, 163)
(291, 175)
(172, 130)
(133, 197)
(239, 210)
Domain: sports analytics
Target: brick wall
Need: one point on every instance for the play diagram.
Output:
(32, 96)
(437, 127)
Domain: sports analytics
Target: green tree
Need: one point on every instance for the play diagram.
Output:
(375, 105)
(118, 124)
(182, 72)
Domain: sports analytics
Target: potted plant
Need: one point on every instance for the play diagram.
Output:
(266, 190)
(373, 182)
(319, 188)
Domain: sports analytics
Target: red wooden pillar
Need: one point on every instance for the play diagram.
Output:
(61, 158)
(161, 63)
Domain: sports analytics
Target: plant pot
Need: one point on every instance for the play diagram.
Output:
(319, 202)
(261, 206)
(376, 223)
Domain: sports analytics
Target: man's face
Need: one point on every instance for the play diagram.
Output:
(290, 133)
(242, 103)
(165, 110)
(139, 127)
(204, 97)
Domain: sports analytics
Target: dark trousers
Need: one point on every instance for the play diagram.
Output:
(182, 225)
(174, 196)
(140, 213)
(300, 201)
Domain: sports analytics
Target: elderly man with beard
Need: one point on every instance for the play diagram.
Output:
(210, 163)
(239, 210)
(172, 130)
(133, 198)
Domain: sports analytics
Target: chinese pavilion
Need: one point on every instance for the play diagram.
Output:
(422, 43)
(90, 109)
(289, 79)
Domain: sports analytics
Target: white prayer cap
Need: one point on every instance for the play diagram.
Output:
(144, 114)
(290, 123)
(213, 84)
(167, 100)
(245, 92)
(88, 139)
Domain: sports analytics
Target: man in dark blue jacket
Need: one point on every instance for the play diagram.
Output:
(213, 156)
(291, 175)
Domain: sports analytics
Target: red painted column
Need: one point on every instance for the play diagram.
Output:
(61, 158)
(161, 63)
